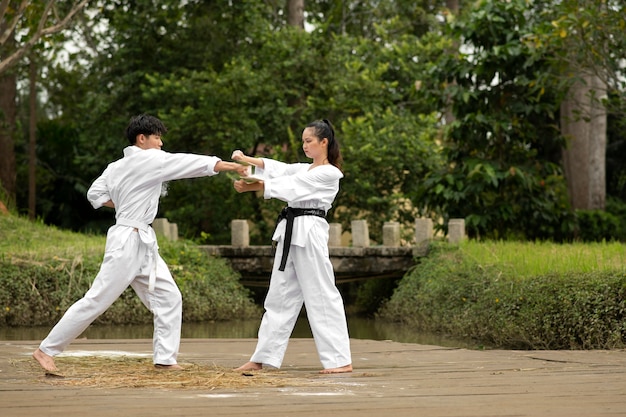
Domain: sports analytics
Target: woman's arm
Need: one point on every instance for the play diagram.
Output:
(242, 186)
(241, 157)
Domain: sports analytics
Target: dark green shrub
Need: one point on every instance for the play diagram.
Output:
(452, 294)
(598, 226)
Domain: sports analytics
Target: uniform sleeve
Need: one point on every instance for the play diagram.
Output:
(275, 168)
(98, 193)
(183, 165)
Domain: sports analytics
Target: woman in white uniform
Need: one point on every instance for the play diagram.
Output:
(302, 271)
(132, 186)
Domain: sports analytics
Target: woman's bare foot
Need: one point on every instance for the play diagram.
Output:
(250, 366)
(46, 361)
(341, 370)
(173, 367)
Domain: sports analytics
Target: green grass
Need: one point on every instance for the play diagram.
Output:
(35, 241)
(528, 259)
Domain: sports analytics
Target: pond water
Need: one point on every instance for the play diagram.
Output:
(359, 328)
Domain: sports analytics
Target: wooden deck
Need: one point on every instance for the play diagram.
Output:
(390, 379)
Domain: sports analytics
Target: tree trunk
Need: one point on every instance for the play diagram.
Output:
(295, 13)
(583, 122)
(8, 111)
(295, 18)
(32, 139)
(453, 7)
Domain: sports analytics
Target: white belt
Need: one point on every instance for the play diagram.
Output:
(153, 249)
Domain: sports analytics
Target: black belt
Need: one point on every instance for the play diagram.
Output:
(291, 213)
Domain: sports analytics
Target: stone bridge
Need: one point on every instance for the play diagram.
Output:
(254, 263)
(358, 261)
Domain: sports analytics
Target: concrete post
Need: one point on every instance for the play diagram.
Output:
(456, 230)
(240, 233)
(391, 234)
(161, 227)
(423, 231)
(173, 231)
(334, 234)
(360, 234)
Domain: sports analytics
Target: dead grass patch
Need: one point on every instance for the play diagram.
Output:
(126, 372)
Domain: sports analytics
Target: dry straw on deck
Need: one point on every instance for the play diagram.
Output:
(126, 372)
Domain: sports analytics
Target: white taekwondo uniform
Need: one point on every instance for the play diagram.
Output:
(131, 257)
(308, 276)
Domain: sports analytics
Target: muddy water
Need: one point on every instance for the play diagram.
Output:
(359, 328)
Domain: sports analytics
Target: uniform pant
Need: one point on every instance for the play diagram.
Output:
(308, 278)
(120, 268)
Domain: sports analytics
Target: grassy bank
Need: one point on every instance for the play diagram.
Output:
(43, 270)
(518, 295)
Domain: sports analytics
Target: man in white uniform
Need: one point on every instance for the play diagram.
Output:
(133, 185)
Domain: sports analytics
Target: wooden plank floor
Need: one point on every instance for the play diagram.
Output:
(390, 380)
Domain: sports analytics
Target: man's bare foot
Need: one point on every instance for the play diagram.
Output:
(341, 370)
(250, 366)
(46, 361)
(174, 367)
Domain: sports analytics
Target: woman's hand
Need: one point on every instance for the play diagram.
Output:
(242, 158)
(241, 186)
(237, 155)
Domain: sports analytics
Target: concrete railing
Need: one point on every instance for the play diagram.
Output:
(240, 232)
(352, 261)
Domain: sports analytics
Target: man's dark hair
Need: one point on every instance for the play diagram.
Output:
(144, 124)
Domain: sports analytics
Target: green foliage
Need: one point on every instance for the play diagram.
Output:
(96, 96)
(598, 226)
(503, 145)
(373, 293)
(364, 87)
(228, 75)
(386, 155)
(454, 293)
(362, 18)
(586, 37)
(61, 180)
(41, 278)
(233, 75)
(210, 288)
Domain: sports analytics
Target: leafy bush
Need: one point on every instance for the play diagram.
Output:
(598, 225)
(210, 287)
(456, 294)
(36, 289)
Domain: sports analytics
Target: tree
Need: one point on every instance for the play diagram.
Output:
(587, 40)
(8, 93)
(32, 136)
(34, 22)
(260, 101)
(584, 122)
(503, 171)
(235, 75)
(295, 13)
(98, 95)
(38, 23)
